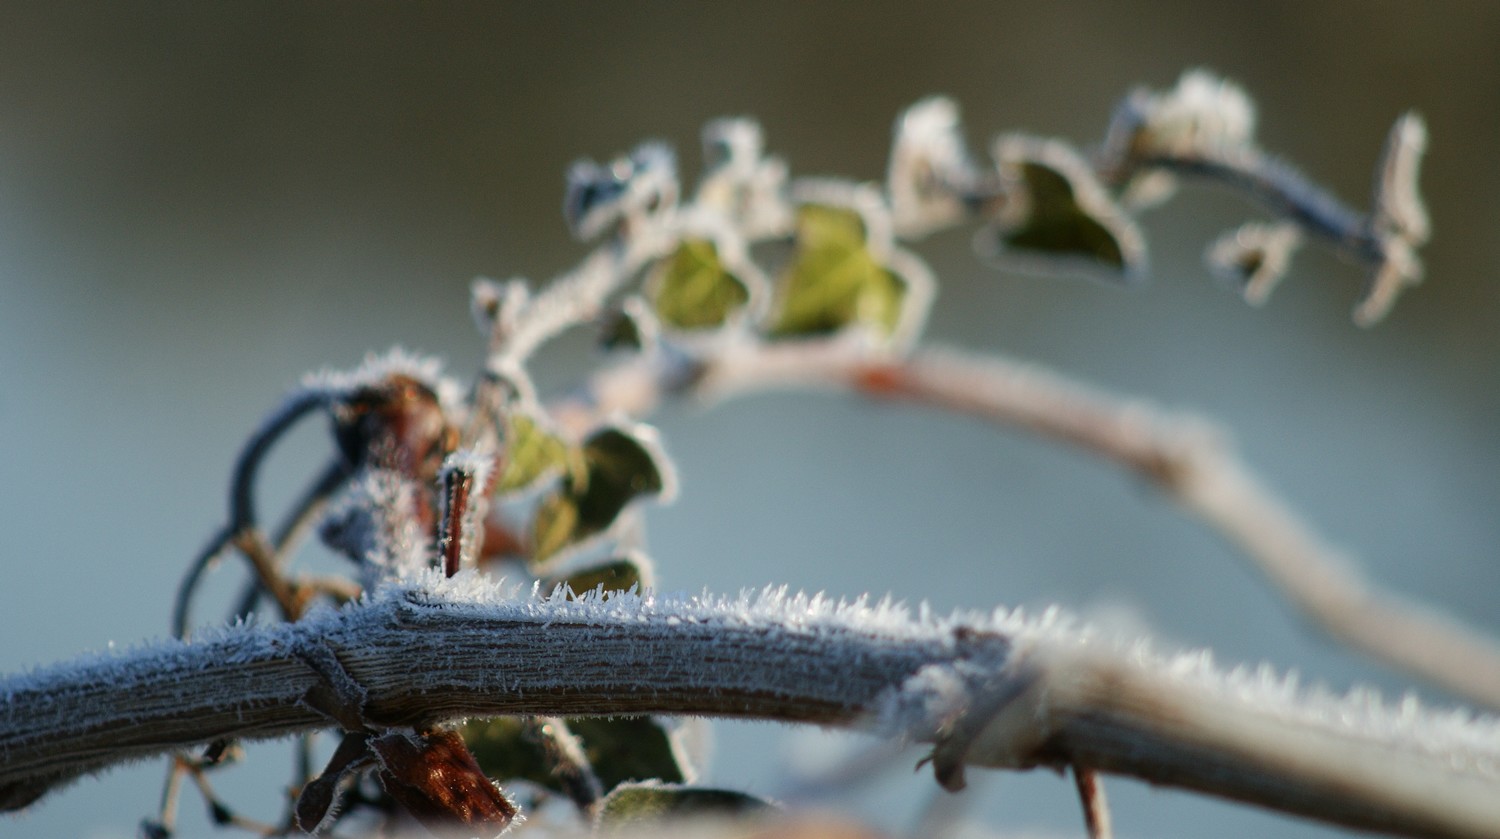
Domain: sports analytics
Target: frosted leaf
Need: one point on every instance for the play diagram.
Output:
(632, 749)
(642, 183)
(1400, 267)
(622, 462)
(845, 271)
(1057, 217)
(532, 452)
(1398, 207)
(1203, 114)
(928, 165)
(739, 181)
(1254, 257)
(708, 281)
(648, 802)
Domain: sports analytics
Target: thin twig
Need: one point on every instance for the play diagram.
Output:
(1095, 805)
(295, 527)
(565, 753)
(206, 559)
(997, 692)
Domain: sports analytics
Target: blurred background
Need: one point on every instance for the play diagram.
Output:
(199, 202)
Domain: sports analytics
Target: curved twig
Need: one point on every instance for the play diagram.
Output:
(1186, 456)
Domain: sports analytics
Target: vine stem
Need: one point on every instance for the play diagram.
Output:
(995, 691)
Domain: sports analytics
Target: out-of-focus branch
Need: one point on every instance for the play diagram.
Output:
(999, 691)
(1188, 457)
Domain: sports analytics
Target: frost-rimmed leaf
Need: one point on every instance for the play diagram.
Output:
(531, 453)
(845, 271)
(1058, 218)
(1397, 204)
(708, 281)
(630, 327)
(1400, 268)
(506, 750)
(1203, 114)
(1254, 257)
(740, 182)
(633, 804)
(1399, 220)
(833, 280)
(599, 195)
(929, 165)
(620, 464)
(626, 749)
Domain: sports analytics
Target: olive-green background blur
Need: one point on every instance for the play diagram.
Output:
(200, 201)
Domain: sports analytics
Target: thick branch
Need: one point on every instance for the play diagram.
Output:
(997, 691)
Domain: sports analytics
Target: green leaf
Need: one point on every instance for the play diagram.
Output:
(618, 467)
(619, 750)
(833, 279)
(504, 751)
(619, 331)
(1058, 225)
(531, 454)
(650, 802)
(691, 289)
(615, 575)
(628, 749)
(554, 525)
(1061, 215)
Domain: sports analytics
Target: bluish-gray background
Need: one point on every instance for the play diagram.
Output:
(198, 202)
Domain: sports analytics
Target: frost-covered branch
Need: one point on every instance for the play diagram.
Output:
(1188, 457)
(987, 691)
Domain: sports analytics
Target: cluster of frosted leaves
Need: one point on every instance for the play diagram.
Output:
(837, 266)
(1206, 125)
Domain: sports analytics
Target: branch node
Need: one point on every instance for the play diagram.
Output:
(336, 695)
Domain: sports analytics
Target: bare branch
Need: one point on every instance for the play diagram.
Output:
(1095, 805)
(997, 691)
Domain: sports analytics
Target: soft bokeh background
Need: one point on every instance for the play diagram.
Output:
(198, 202)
